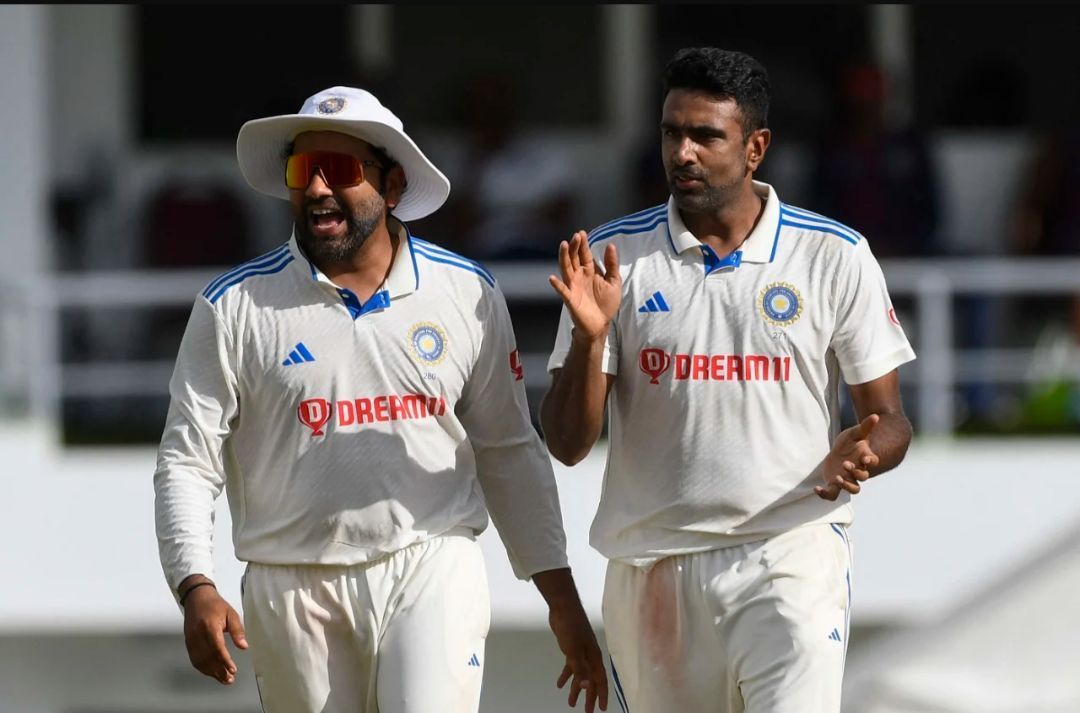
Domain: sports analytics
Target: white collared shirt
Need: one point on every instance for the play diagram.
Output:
(343, 431)
(727, 391)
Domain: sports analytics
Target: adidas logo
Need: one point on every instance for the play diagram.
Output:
(655, 303)
(298, 355)
(474, 661)
(835, 636)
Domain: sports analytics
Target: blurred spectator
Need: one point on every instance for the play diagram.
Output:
(877, 179)
(187, 224)
(513, 196)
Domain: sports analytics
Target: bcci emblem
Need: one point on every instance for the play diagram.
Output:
(331, 106)
(781, 304)
(428, 342)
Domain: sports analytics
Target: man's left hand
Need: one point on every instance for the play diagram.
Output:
(584, 664)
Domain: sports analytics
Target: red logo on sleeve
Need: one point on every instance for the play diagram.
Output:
(516, 366)
(314, 413)
(654, 362)
(892, 317)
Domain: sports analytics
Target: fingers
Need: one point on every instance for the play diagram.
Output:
(223, 666)
(206, 620)
(611, 264)
(827, 492)
(867, 426)
(560, 288)
(585, 258)
(567, 672)
(599, 676)
(589, 675)
(565, 265)
(235, 627)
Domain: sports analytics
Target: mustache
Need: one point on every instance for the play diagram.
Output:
(687, 175)
(325, 204)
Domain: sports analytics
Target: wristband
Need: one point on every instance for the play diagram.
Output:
(193, 587)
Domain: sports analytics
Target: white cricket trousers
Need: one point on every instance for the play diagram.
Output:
(755, 628)
(404, 634)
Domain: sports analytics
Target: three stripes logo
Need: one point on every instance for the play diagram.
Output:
(835, 636)
(655, 303)
(474, 661)
(299, 355)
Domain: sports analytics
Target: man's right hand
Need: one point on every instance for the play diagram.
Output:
(591, 297)
(207, 616)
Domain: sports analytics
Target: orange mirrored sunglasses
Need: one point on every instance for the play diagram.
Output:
(338, 170)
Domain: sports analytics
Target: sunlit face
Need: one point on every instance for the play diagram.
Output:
(333, 223)
(705, 156)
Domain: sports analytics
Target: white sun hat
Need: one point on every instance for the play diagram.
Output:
(261, 146)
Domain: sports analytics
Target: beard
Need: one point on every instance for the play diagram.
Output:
(706, 198)
(359, 225)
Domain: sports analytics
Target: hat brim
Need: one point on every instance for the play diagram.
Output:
(261, 145)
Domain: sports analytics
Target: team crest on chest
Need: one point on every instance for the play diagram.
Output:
(428, 343)
(781, 304)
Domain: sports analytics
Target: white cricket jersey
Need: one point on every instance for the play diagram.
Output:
(727, 394)
(344, 432)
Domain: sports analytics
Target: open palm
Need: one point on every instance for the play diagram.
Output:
(592, 296)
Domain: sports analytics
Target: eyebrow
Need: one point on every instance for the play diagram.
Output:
(694, 128)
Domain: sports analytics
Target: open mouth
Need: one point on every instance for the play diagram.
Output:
(326, 222)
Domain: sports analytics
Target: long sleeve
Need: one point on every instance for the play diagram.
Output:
(190, 470)
(512, 465)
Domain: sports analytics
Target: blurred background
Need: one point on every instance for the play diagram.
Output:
(947, 134)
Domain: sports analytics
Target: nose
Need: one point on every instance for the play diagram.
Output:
(317, 186)
(684, 153)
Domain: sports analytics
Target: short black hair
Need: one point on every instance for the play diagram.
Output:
(723, 73)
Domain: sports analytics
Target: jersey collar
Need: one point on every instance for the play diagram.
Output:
(759, 246)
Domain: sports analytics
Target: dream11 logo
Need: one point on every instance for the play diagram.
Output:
(654, 362)
(314, 413)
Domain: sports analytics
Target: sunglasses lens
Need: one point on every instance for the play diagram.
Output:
(338, 169)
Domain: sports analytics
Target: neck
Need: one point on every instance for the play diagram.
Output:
(725, 228)
(368, 268)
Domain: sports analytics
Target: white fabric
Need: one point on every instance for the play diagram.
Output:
(405, 420)
(727, 401)
(760, 627)
(261, 144)
(404, 634)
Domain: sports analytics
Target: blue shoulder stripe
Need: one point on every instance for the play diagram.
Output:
(807, 216)
(260, 261)
(445, 259)
(631, 230)
(251, 272)
(627, 224)
(434, 249)
(818, 227)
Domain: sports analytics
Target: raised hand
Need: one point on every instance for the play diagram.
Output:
(849, 461)
(592, 297)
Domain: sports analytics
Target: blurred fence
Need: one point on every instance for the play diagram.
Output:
(34, 378)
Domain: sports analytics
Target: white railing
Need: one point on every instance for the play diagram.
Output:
(30, 368)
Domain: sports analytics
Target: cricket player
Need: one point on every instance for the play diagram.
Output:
(356, 393)
(716, 329)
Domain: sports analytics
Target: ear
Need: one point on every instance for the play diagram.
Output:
(394, 186)
(756, 146)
